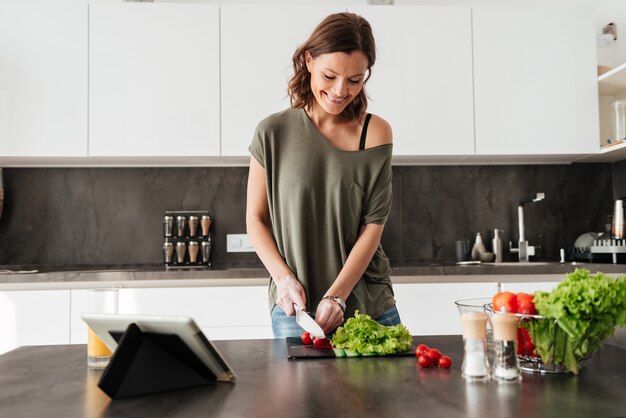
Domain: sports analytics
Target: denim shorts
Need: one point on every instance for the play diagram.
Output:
(285, 326)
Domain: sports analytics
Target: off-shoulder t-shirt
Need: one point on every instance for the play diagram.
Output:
(318, 197)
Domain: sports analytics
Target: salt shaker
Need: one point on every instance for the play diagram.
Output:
(505, 363)
(475, 363)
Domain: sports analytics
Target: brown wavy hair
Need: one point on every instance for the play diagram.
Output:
(339, 32)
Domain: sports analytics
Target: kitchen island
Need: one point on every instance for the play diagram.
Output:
(54, 381)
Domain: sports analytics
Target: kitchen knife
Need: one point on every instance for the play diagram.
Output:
(307, 323)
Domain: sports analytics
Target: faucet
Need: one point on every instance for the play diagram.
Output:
(523, 249)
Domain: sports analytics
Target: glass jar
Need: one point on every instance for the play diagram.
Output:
(618, 120)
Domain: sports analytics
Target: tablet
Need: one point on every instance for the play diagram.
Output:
(110, 327)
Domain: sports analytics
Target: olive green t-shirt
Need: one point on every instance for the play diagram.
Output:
(318, 197)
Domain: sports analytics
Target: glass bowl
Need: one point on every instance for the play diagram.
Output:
(528, 360)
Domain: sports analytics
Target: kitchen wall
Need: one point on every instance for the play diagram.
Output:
(112, 216)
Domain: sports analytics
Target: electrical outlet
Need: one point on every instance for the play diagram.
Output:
(238, 243)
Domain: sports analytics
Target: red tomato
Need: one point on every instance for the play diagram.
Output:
(421, 349)
(424, 360)
(434, 354)
(445, 362)
(525, 345)
(321, 343)
(525, 304)
(505, 302)
(306, 338)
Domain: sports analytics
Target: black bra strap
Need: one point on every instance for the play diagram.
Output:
(364, 131)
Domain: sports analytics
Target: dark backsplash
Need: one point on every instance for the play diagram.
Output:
(112, 216)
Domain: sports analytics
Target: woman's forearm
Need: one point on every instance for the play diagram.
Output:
(260, 235)
(357, 261)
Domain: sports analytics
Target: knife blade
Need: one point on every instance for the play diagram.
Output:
(307, 323)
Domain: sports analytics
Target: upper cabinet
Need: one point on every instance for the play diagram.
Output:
(422, 80)
(180, 83)
(258, 43)
(535, 83)
(43, 79)
(154, 79)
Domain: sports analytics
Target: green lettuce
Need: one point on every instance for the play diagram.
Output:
(582, 311)
(366, 336)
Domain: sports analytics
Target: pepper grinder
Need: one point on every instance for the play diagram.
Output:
(475, 363)
(206, 250)
(193, 251)
(205, 223)
(180, 224)
(168, 252)
(505, 363)
(181, 248)
(193, 225)
(168, 225)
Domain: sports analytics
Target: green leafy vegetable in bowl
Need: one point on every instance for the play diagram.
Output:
(363, 335)
(580, 313)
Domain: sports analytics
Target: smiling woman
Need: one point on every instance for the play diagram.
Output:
(319, 188)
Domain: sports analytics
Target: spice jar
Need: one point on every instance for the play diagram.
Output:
(505, 363)
(475, 363)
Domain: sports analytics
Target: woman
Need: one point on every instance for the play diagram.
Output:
(319, 187)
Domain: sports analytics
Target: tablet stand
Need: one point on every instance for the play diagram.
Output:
(147, 362)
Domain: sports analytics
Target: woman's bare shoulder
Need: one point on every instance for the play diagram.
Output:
(378, 132)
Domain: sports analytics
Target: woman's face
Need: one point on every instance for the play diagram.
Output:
(336, 78)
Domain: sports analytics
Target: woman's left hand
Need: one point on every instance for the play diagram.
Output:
(328, 315)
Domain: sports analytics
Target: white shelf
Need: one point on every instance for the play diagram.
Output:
(612, 81)
(608, 154)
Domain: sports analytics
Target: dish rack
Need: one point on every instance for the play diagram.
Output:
(609, 246)
(531, 362)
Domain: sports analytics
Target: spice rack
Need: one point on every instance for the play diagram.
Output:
(187, 239)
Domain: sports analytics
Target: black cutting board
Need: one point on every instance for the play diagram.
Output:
(297, 350)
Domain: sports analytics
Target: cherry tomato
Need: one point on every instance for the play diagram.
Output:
(434, 354)
(445, 362)
(306, 338)
(505, 302)
(321, 343)
(424, 360)
(421, 349)
(525, 304)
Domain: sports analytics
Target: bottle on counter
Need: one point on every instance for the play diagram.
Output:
(478, 247)
(496, 244)
(475, 363)
(505, 363)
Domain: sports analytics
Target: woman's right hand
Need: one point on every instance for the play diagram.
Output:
(290, 291)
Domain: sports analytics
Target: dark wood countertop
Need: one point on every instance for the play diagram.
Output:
(68, 277)
(53, 381)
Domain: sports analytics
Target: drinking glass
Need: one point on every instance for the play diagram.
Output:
(102, 301)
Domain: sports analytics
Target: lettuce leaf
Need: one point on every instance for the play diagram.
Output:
(581, 312)
(366, 336)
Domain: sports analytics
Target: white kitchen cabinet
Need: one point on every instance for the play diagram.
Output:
(429, 309)
(43, 79)
(422, 80)
(535, 82)
(256, 67)
(221, 312)
(154, 79)
(34, 317)
(528, 287)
